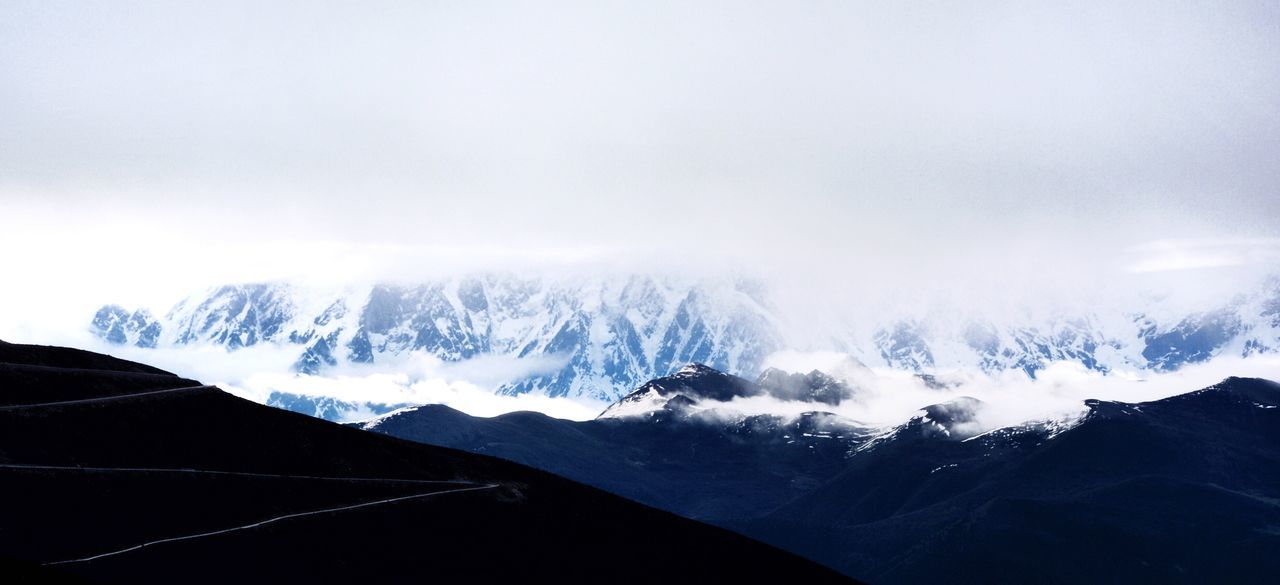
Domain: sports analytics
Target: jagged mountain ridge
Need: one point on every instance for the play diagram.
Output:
(599, 337)
(581, 338)
(116, 325)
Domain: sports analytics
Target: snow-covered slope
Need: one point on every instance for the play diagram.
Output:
(577, 337)
(1139, 337)
(116, 325)
(599, 337)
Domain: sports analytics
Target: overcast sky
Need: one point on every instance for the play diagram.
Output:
(237, 139)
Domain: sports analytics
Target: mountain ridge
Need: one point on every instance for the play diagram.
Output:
(597, 338)
(902, 504)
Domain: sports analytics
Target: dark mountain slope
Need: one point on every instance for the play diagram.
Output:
(130, 470)
(36, 373)
(1185, 489)
(677, 458)
(67, 357)
(706, 469)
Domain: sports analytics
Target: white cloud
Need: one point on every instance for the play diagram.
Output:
(415, 378)
(902, 137)
(887, 397)
(401, 388)
(1191, 254)
(1010, 397)
(900, 155)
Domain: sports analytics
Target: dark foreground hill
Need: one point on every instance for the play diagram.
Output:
(135, 475)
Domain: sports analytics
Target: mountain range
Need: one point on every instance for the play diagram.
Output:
(129, 473)
(598, 337)
(1180, 490)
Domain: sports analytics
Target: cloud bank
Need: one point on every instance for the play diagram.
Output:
(911, 149)
(836, 132)
(889, 397)
(885, 397)
(255, 372)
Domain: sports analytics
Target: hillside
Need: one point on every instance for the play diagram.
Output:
(196, 476)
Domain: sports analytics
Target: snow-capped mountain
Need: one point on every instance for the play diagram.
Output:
(598, 337)
(118, 326)
(1150, 336)
(576, 337)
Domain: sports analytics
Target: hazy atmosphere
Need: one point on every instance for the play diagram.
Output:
(846, 153)
(832, 133)
(493, 291)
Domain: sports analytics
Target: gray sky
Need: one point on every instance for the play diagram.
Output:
(829, 133)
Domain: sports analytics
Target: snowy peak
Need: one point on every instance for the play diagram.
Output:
(702, 382)
(116, 325)
(1193, 339)
(686, 387)
(1146, 336)
(235, 316)
(695, 383)
(815, 386)
(693, 371)
(918, 347)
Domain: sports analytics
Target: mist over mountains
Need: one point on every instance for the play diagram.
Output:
(597, 338)
(403, 292)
